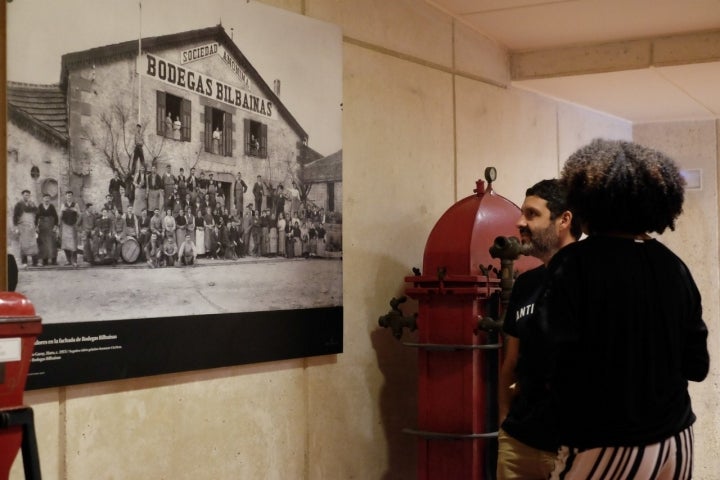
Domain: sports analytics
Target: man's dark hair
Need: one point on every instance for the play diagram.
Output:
(623, 187)
(554, 194)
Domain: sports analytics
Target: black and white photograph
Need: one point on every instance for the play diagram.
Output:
(172, 161)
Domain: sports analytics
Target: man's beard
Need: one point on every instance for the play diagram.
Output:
(538, 243)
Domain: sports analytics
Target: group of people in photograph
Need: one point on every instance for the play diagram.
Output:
(167, 220)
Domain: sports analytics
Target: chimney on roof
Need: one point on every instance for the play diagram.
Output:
(276, 87)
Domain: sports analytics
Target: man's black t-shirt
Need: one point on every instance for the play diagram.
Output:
(529, 419)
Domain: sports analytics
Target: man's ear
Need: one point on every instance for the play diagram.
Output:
(566, 219)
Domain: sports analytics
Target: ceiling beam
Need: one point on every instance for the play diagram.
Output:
(698, 47)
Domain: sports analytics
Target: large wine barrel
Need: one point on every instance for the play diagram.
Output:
(130, 250)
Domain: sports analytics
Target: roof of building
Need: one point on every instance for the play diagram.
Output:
(327, 169)
(41, 109)
(216, 33)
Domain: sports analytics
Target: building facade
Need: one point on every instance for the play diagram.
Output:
(200, 105)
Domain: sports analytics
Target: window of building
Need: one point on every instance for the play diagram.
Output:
(331, 196)
(218, 131)
(173, 116)
(255, 139)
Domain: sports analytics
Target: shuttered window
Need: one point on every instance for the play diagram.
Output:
(179, 108)
(256, 141)
(160, 118)
(227, 135)
(185, 118)
(218, 132)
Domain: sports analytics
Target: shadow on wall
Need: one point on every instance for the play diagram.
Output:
(398, 394)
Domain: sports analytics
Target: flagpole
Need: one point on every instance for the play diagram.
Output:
(139, 61)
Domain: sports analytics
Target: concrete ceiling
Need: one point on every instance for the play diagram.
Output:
(639, 60)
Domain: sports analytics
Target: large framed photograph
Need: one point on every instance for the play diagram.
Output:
(174, 184)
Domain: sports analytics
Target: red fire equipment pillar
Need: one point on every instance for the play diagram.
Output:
(458, 291)
(19, 327)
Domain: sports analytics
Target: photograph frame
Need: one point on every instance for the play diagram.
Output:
(85, 351)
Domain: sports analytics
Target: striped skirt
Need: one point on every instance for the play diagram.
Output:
(670, 459)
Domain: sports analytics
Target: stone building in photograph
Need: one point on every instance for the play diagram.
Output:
(324, 177)
(37, 140)
(200, 104)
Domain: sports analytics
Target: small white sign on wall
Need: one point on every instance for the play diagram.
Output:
(693, 178)
(10, 349)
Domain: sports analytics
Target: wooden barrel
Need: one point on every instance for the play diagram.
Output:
(130, 250)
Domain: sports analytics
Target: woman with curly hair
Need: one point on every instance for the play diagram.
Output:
(622, 321)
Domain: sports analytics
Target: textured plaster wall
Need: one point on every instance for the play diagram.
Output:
(426, 108)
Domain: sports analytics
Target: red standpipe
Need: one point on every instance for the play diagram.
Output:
(459, 363)
(19, 328)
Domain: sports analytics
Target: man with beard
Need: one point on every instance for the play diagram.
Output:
(526, 444)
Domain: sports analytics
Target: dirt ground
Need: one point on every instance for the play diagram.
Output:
(92, 293)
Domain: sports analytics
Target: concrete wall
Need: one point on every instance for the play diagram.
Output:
(426, 109)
